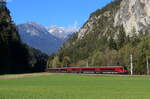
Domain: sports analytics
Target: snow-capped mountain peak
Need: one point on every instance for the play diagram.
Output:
(62, 32)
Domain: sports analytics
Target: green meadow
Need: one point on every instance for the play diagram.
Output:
(72, 86)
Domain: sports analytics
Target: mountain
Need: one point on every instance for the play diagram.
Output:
(62, 32)
(109, 37)
(13, 53)
(37, 36)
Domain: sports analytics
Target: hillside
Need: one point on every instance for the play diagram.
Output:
(109, 37)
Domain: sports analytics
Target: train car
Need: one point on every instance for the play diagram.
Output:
(98, 70)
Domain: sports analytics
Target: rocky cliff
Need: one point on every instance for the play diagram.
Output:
(133, 15)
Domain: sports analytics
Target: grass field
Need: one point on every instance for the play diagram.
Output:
(76, 87)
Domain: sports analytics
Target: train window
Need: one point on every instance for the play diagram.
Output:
(108, 69)
(125, 68)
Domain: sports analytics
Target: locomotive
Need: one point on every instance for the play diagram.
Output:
(97, 70)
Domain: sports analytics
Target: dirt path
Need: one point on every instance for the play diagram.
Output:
(5, 77)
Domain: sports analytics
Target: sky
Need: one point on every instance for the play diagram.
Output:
(54, 12)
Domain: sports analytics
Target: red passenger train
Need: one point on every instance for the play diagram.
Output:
(99, 70)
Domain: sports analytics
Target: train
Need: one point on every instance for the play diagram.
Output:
(96, 70)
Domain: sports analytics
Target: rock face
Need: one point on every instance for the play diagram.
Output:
(134, 15)
(101, 21)
(85, 30)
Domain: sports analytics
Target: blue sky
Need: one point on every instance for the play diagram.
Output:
(54, 12)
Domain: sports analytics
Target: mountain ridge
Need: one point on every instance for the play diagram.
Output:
(38, 37)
